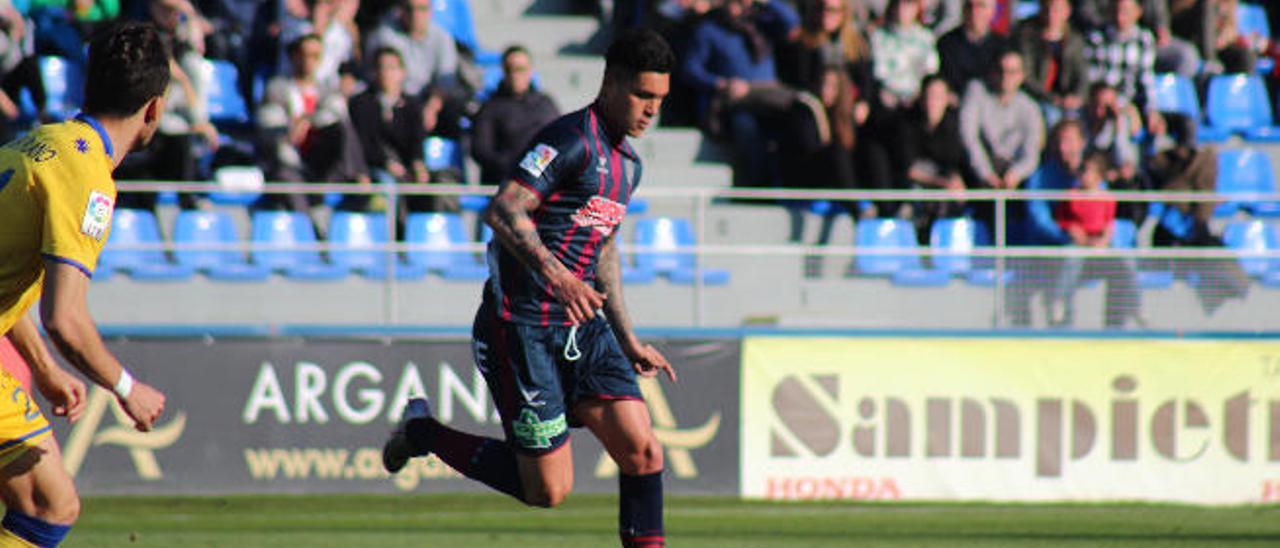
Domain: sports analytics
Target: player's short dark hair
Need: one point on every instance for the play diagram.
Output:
(128, 66)
(639, 50)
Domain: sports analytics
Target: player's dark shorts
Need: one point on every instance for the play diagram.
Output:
(535, 386)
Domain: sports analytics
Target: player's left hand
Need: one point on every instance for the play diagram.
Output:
(648, 361)
(62, 389)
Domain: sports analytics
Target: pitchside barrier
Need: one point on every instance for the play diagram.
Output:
(773, 256)
(772, 414)
(912, 392)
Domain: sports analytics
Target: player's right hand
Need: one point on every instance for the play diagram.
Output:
(64, 391)
(144, 405)
(579, 299)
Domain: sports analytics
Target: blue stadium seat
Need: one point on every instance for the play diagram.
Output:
(1245, 171)
(440, 153)
(954, 239)
(455, 17)
(637, 206)
(1026, 9)
(1125, 236)
(357, 240)
(210, 228)
(958, 237)
(226, 106)
(473, 202)
(1249, 238)
(1251, 19)
(1238, 103)
(138, 227)
(26, 107)
(668, 237)
(906, 269)
(238, 185)
(492, 79)
(440, 231)
(280, 231)
(63, 86)
(1177, 94)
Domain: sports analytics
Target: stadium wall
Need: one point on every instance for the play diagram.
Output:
(783, 415)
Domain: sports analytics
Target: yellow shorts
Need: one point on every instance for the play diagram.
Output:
(22, 425)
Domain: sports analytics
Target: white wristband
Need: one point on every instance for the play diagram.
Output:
(123, 386)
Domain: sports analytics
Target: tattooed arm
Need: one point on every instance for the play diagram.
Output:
(644, 357)
(509, 216)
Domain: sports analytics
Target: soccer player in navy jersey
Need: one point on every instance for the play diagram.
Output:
(553, 337)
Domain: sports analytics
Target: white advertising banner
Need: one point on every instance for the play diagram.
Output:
(1011, 420)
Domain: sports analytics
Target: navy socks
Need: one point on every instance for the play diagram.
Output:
(640, 511)
(486, 460)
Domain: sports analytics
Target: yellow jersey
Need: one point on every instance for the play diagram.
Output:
(56, 200)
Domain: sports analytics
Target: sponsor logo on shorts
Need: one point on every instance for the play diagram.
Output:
(97, 216)
(531, 397)
(537, 160)
(600, 214)
(535, 433)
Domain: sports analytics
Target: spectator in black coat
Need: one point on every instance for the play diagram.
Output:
(933, 149)
(392, 128)
(510, 118)
(389, 123)
(967, 52)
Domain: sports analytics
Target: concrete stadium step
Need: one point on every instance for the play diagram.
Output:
(543, 35)
(572, 81)
(488, 10)
(661, 173)
(679, 146)
(757, 224)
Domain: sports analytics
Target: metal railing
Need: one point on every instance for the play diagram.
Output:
(701, 200)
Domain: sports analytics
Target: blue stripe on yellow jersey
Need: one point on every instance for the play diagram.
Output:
(56, 204)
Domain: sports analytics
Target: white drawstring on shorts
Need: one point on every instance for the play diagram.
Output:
(571, 351)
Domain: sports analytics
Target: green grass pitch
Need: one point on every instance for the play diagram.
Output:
(590, 521)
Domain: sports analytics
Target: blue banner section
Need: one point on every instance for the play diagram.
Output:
(291, 414)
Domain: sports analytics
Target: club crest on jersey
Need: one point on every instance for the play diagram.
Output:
(537, 160)
(600, 214)
(97, 216)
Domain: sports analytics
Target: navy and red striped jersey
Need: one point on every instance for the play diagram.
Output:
(584, 177)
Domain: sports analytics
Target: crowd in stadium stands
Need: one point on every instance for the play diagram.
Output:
(759, 70)
(848, 94)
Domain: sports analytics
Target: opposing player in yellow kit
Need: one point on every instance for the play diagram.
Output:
(56, 200)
